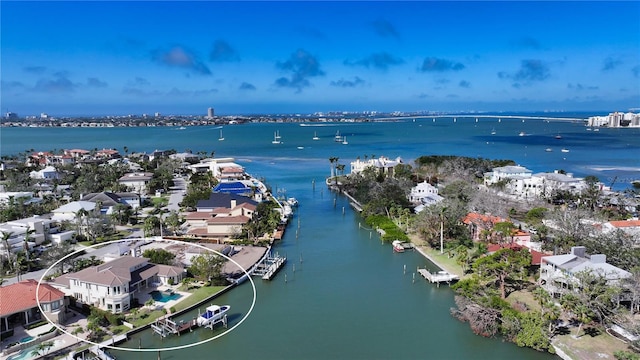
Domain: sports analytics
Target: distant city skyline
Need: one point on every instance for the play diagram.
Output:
(85, 58)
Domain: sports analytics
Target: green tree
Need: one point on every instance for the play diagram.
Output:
(159, 256)
(151, 225)
(207, 267)
(532, 332)
(174, 221)
(504, 230)
(502, 267)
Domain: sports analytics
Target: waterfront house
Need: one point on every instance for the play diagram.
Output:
(382, 164)
(137, 182)
(115, 284)
(221, 217)
(506, 173)
(557, 272)
(211, 165)
(19, 304)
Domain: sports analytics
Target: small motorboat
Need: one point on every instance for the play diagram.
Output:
(212, 314)
(522, 133)
(565, 150)
(397, 246)
(548, 149)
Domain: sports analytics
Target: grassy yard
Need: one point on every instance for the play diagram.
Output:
(524, 296)
(588, 347)
(442, 260)
(146, 316)
(197, 296)
(160, 201)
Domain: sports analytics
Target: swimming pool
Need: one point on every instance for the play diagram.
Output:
(164, 296)
(26, 354)
(26, 339)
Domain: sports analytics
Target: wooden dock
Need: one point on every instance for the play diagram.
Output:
(438, 277)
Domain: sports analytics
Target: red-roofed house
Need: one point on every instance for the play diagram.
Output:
(478, 222)
(18, 305)
(631, 227)
(536, 256)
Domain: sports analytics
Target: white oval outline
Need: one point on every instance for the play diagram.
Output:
(253, 302)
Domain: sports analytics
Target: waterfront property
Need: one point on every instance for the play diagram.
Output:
(220, 217)
(114, 285)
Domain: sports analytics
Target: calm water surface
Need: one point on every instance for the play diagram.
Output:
(347, 295)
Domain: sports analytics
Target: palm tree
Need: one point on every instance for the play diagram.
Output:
(333, 160)
(6, 235)
(42, 348)
(27, 237)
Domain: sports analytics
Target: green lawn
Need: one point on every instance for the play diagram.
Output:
(197, 296)
(146, 316)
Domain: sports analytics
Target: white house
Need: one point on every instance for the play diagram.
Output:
(420, 191)
(48, 173)
(557, 272)
(506, 172)
(113, 285)
(138, 182)
(212, 165)
(16, 232)
(382, 163)
(68, 212)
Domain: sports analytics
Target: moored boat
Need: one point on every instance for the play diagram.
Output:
(212, 314)
(397, 246)
(565, 150)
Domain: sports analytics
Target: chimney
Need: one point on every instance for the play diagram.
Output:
(233, 204)
(579, 251)
(599, 259)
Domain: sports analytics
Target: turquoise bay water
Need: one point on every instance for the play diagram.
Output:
(347, 295)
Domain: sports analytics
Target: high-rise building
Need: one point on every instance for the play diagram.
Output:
(210, 113)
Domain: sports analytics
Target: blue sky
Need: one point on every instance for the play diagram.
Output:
(124, 57)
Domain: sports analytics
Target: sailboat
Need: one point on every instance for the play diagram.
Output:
(276, 138)
(221, 138)
(315, 136)
(493, 131)
(344, 140)
(337, 138)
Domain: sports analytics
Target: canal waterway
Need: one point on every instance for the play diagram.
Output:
(349, 296)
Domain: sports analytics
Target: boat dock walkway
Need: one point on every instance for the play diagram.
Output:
(269, 266)
(438, 277)
(166, 326)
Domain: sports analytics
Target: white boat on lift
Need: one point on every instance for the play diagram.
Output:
(213, 314)
(397, 246)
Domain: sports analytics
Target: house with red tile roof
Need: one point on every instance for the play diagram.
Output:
(478, 222)
(536, 256)
(19, 304)
(631, 227)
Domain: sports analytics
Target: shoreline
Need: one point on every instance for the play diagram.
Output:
(421, 248)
